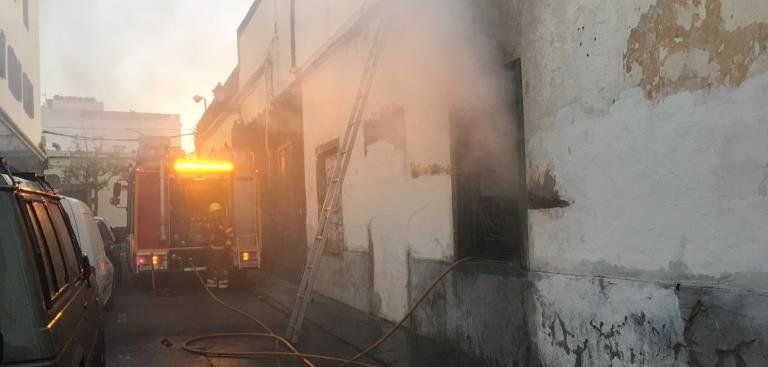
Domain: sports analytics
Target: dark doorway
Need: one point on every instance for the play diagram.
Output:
(488, 165)
(284, 217)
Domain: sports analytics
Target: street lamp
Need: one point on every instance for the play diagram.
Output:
(197, 98)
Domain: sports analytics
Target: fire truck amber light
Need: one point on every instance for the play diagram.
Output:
(187, 165)
(155, 260)
(245, 256)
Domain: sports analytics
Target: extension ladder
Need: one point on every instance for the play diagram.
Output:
(304, 293)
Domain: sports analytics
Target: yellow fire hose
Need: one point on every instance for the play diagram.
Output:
(293, 352)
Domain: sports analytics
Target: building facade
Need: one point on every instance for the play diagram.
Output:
(79, 130)
(605, 159)
(20, 131)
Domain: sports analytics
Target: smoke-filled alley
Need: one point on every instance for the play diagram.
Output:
(384, 183)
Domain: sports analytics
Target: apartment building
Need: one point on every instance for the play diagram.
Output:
(80, 129)
(20, 131)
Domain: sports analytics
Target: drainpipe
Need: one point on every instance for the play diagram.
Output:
(293, 34)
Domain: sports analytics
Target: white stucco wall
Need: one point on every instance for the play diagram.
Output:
(25, 42)
(429, 78)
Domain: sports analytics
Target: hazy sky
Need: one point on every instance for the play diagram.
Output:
(144, 55)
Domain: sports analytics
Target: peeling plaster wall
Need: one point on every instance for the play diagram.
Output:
(386, 210)
(649, 120)
(655, 141)
(549, 319)
(651, 117)
(653, 146)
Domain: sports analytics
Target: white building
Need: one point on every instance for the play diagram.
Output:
(77, 127)
(20, 131)
(611, 155)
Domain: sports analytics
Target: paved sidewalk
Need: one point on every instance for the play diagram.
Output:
(360, 329)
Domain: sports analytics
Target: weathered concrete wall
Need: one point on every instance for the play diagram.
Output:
(648, 116)
(512, 318)
(480, 308)
(644, 127)
(647, 122)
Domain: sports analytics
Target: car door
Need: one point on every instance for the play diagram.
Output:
(71, 300)
(104, 269)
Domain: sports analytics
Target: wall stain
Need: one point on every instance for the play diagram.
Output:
(542, 191)
(701, 54)
(563, 344)
(579, 352)
(734, 354)
(434, 169)
(762, 189)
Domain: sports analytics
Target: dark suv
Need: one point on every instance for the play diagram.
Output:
(50, 314)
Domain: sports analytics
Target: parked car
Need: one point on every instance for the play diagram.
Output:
(50, 312)
(112, 246)
(90, 241)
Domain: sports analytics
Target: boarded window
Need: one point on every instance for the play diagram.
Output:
(327, 155)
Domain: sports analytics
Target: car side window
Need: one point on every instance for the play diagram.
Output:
(52, 246)
(41, 250)
(68, 245)
(106, 236)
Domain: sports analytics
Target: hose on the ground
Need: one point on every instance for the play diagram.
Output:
(305, 357)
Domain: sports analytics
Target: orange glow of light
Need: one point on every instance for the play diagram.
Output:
(155, 259)
(202, 166)
(142, 260)
(53, 322)
(246, 256)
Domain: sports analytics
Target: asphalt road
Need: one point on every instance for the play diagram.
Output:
(146, 329)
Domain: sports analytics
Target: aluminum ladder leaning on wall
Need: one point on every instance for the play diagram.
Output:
(304, 293)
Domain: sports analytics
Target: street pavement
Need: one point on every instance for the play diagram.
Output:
(149, 329)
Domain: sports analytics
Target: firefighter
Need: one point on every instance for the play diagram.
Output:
(220, 237)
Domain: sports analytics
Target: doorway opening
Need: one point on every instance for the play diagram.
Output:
(488, 173)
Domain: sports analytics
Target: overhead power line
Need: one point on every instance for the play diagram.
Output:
(91, 138)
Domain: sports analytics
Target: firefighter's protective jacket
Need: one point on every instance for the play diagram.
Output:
(221, 235)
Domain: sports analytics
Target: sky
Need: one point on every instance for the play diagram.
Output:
(141, 55)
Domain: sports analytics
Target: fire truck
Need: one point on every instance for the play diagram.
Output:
(169, 196)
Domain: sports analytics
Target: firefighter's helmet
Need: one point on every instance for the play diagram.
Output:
(215, 207)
